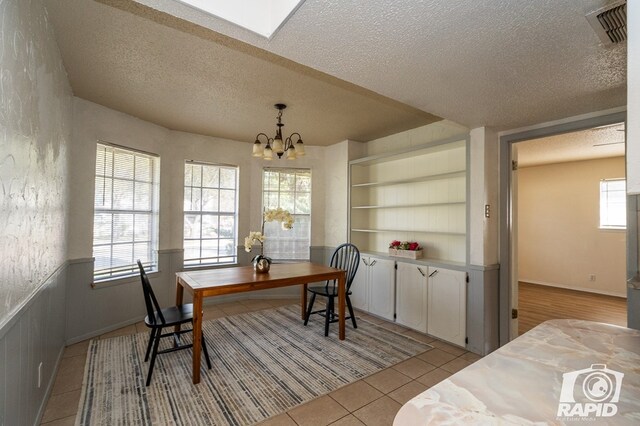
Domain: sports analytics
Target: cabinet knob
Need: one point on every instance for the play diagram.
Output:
(433, 273)
(365, 262)
(373, 263)
(421, 271)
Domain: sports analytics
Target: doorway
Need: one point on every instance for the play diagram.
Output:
(511, 169)
(571, 222)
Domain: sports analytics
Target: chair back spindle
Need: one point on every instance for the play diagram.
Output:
(150, 300)
(347, 257)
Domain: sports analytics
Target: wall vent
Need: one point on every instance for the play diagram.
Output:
(610, 23)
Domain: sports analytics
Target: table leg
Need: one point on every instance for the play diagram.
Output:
(342, 301)
(179, 298)
(303, 301)
(197, 335)
(179, 292)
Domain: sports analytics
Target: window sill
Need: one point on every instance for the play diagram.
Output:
(113, 282)
(610, 229)
(210, 266)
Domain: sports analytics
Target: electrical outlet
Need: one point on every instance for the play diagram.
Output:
(40, 374)
(592, 277)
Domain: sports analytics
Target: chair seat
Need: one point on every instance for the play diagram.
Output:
(172, 316)
(325, 291)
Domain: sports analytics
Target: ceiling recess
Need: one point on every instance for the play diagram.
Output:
(610, 23)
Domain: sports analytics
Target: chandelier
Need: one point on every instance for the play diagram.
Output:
(276, 144)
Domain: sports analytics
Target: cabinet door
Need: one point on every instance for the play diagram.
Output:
(447, 313)
(382, 287)
(411, 296)
(360, 286)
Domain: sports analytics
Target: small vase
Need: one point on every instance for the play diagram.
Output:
(262, 264)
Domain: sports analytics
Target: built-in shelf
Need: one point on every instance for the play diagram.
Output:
(410, 205)
(441, 176)
(386, 193)
(407, 230)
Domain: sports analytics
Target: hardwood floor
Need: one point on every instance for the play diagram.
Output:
(538, 303)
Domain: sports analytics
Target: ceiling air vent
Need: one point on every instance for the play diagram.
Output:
(610, 23)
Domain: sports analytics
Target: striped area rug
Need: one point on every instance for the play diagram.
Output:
(264, 363)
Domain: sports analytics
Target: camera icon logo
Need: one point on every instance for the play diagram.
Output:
(591, 392)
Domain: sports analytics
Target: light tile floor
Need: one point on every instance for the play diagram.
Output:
(372, 401)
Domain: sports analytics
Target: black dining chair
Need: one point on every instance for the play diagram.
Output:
(157, 319)
(347, 257)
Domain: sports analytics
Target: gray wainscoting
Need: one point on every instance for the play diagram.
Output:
(35, 334)
(483, 309)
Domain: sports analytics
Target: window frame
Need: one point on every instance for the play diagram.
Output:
(218, 213)
(150, 263)
(603, 204)
(295, 215)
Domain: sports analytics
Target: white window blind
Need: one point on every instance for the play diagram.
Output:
(210, 214)
(125, 224)
(289, 189)
(613, 204)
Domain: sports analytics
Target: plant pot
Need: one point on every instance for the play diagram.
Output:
(262, 264)
(407, 254)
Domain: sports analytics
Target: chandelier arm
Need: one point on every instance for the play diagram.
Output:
(262, 134)
(295, 134)
(289, 143)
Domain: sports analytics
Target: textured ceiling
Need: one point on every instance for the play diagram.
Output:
(600, 142)
(357, 70)
(499, 63)
(183, 77)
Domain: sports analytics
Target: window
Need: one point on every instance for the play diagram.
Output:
(125, 221)
(289, 189)
(613, 204)
(261, 17)
(210, 214)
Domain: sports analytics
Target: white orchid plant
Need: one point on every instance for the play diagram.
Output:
(271, 215)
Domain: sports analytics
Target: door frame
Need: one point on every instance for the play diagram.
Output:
(506, 142)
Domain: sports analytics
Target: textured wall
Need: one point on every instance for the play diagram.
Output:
(336, 194)
(419, 136)
(35, 114)
(483, 190)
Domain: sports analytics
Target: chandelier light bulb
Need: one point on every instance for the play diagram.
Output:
(291, 153)
(278, 147)
(257, 149)
(268, 153)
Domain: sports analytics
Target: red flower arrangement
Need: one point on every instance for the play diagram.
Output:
(405, 245)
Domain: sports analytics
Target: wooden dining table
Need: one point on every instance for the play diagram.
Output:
(239, 279)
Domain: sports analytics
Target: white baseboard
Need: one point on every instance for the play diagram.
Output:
(568, 287)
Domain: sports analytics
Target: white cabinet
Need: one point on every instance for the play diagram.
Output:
(411, 296)
(360, 286)
(447, 307)
(382, 287)
(373, 288)
(424, 298)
